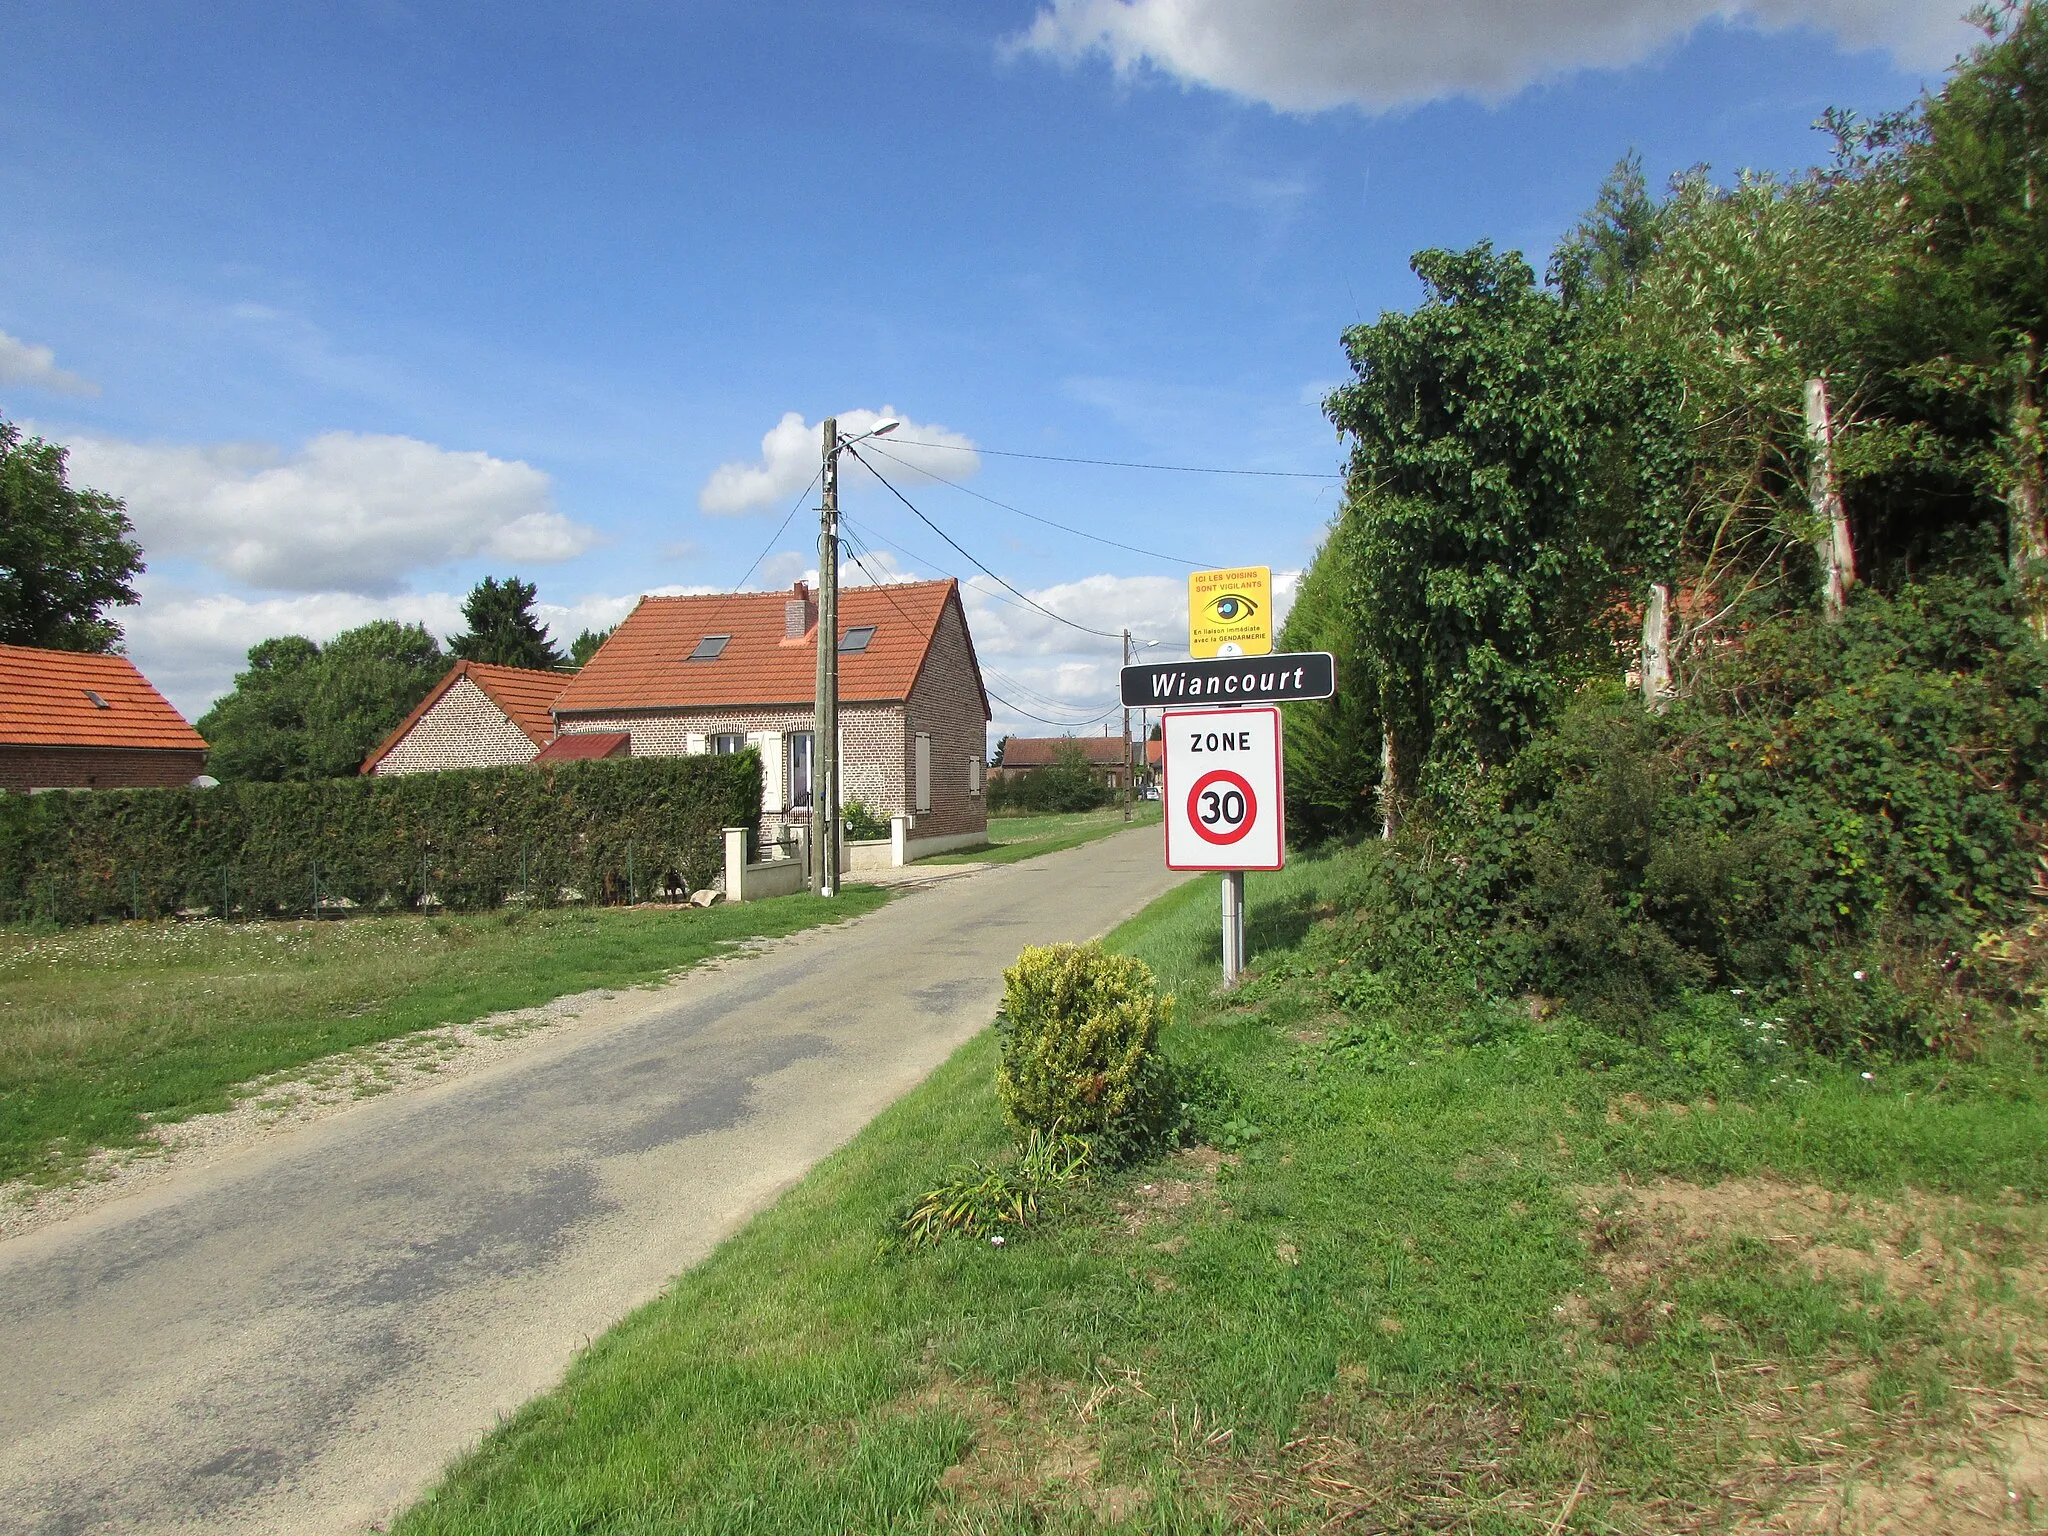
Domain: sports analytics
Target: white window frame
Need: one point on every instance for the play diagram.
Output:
(922, 773)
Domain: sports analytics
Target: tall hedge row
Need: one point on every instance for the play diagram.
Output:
(595, 831)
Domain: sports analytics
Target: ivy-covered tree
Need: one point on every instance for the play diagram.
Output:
(301, 711)
(66, 554)
(1494, 503)
(502, 628)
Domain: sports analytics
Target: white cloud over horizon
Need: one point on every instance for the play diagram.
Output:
(791, 449)
(191, 644)
(34, 367)
(1052, 679)
(1379, 55)
(347, 513)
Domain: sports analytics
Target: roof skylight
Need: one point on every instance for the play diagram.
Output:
(710, 647)
(856, 639)
(97, 701)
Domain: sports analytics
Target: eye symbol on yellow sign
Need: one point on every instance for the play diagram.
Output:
(1230, 612)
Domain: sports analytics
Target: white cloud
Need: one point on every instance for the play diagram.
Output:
(23, 362)
(1312, 55)
(790, 451)
(191, 644)
(349, 512)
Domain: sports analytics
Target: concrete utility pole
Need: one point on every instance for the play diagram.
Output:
(1129, 772)
(825, 739)
(1656, 667)
(1831, 518)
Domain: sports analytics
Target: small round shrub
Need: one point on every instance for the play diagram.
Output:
(1080, 1032)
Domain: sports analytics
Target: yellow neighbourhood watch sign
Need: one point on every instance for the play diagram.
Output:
(1230, 613)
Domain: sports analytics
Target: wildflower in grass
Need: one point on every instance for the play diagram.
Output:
(995, 1240)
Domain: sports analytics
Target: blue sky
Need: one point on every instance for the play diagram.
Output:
(357, 302)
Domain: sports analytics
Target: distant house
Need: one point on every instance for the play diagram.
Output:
(73, 721)
(478, 716)
(1104, 754)
(726, 672)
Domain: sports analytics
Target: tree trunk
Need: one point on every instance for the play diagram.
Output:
(1656, 666)
(1831, 518)
(2026, 538)
(1390, 784)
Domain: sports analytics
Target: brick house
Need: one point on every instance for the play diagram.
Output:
(478, 716)
(725, 672)
(73, 721)
(1104, 754)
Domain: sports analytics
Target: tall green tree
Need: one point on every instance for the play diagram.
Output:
(66, 554)
(301, 711)
(1972, 167)
(586, 645)
(1333, 745)
(502, 628)
(1496, 492)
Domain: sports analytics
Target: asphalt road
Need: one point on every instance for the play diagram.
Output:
(299, 1338)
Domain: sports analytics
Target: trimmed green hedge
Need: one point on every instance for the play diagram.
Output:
(607, 831)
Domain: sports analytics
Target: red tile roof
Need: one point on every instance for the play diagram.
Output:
(645, 664)
(45, 701)
(1041, 751)
(581, 745)
(523, 693)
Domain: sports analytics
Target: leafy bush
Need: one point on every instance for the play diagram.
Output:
(1844, 822)
(862, 824)
(607, 830)
(1064, 785)
(1080, 1028)
(987, 1198)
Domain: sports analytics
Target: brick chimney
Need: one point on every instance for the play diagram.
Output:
(799, 613)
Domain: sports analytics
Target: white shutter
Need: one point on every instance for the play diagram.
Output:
(774, 769)
(974, 776)
(844, 793)
(924, 772)
(694, 744)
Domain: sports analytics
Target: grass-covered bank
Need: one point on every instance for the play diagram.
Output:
(1011, 838)
(105, 1031)
(1499, 1274)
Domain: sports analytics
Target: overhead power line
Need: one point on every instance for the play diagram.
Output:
(971, 560)
(858, 556)
(1063, 528)
(1177, 469)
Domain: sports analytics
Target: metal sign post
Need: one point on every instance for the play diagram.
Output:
(1225, 799)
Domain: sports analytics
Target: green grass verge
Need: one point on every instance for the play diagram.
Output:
(106, 1030)
(1392, 1293)
(1012, 838)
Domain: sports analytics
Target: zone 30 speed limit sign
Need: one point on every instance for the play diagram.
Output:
(1222, 789)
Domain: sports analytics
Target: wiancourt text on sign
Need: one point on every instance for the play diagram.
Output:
(1231, 680)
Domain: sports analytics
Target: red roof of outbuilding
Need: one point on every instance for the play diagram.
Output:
(1042, 751)
(580, 746)
(523, 693)
(46, 701)
(645, 664)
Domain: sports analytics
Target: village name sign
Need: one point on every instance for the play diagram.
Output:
(1278, 679)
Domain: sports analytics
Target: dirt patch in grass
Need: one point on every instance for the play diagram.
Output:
(1945, 1429)
(1169, 1198)
(1034, 1454)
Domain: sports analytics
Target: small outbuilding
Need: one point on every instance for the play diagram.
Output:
(478, 716)
(69, 720)
(1104, 756)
